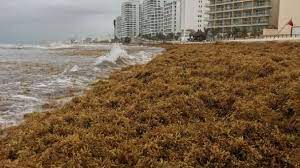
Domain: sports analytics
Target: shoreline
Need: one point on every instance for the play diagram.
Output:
(55, 102)
(192, 105)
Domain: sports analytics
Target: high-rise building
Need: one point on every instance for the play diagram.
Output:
(169, 17)
(203, 16)
(192, 16)
(130, 14)
(152, 19)
(249, 15)
(141, 19)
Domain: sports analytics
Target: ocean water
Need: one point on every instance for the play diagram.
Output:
(33, 75)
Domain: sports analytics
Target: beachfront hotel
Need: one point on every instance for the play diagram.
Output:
(192, 16)
(130, 19)
(170, 15)
(267, 16)
(152, 17)
(249, 15)
(185, 16)
(203, 16)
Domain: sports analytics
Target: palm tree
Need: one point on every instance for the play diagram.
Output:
(161, 36)
(235, 32)
(170, 36)
(177, 36)
(199, 36)
(127, 40)
(228, 34)
(214, 33)
(244, 33)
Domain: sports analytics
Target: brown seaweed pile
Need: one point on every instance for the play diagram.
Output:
(213, 105)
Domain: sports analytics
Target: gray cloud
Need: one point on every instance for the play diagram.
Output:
(37, 20)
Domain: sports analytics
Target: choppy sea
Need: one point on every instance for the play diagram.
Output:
(34, 75)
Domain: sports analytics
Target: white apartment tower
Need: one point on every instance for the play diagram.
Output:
(130, 14)
(141, 19)
(152, 19)
(169, 17)
(203, 14)
(192, 16)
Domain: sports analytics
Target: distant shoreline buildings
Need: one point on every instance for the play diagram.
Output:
(151, 18)
(179, 18)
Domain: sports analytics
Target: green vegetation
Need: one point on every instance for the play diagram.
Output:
(213, 105)
(162, 37)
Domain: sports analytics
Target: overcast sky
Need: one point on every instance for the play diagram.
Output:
(28, 21)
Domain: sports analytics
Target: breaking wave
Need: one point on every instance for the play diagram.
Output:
(74, 69)
(113, 56)
(31, 78)
(118, 57)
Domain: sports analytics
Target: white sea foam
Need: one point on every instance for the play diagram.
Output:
(26, 98)
(118, 57)
(74, 69)
(115, 53)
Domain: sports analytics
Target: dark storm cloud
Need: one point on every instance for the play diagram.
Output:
(36, 20)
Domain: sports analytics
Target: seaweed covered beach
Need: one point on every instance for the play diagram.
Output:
(210, 105)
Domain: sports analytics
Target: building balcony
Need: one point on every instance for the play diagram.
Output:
(226, 2)
(239, 17)
(238, 25)
(240, 8)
